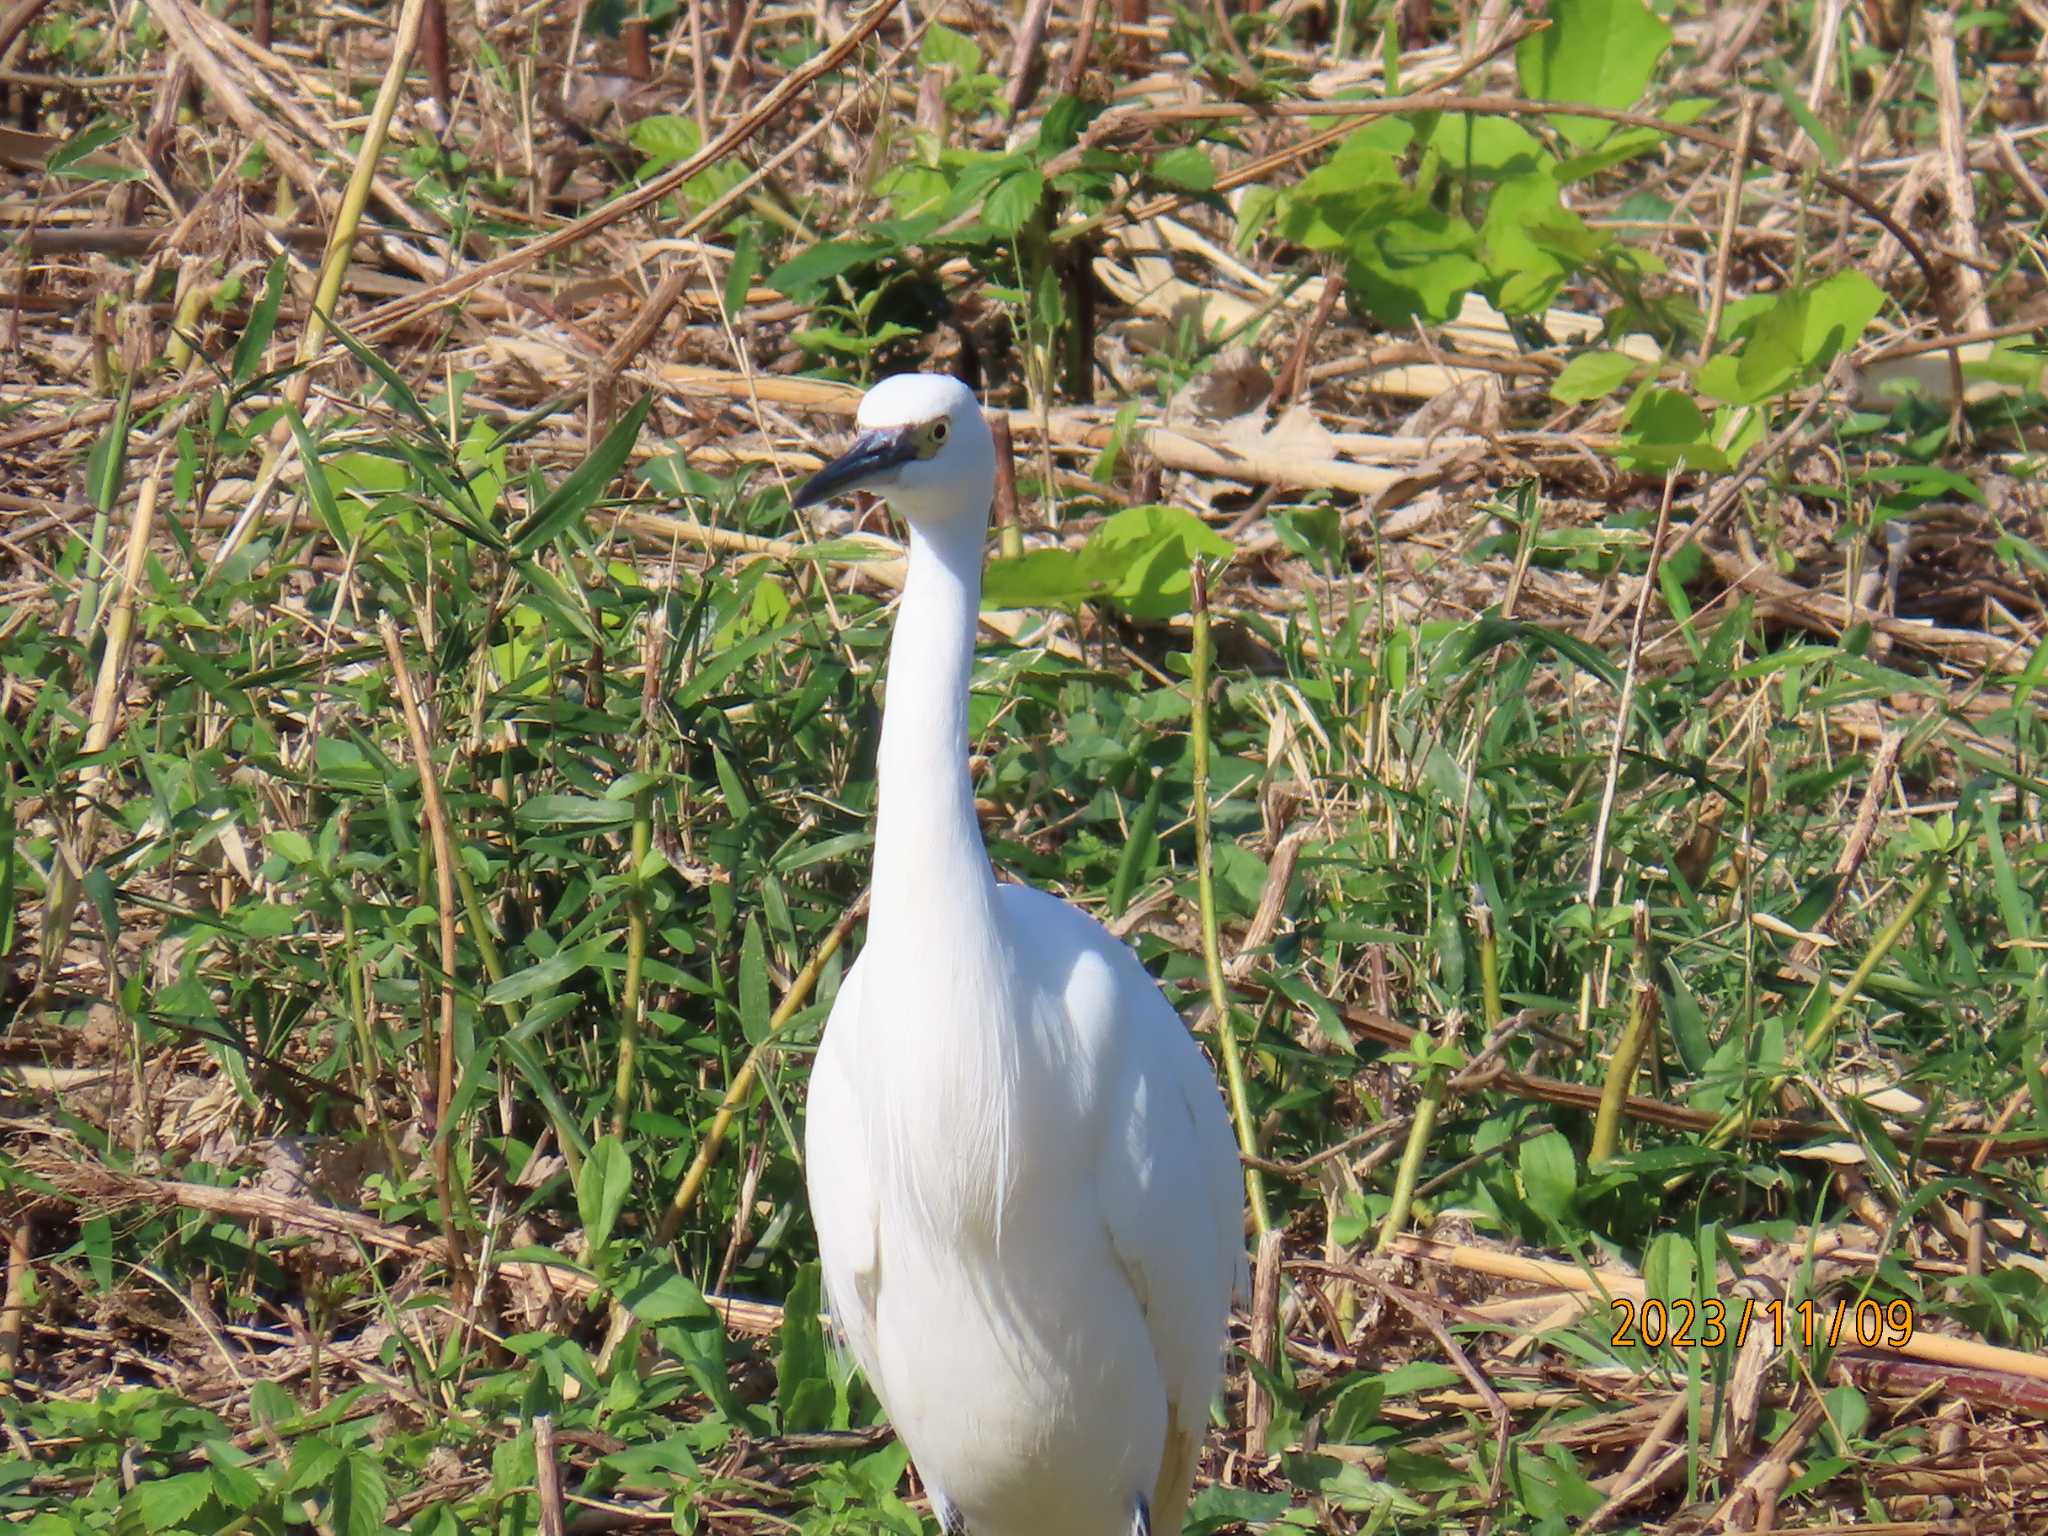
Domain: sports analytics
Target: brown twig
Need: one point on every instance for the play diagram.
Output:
(603, 388)
(1265, 1340)
(1026, 68)
(548, 1476)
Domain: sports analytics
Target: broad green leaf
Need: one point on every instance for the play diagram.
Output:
(314, 1460)
(1670, 1269)
(1015, 199)
(1487, 146)
(262, 322)
(601, 1191)
(943, 45)
(1666, 430)
(666, 139)
(754, 1007)
(800, 1361)
(565, 810)
(357, 1495)
(1549, 1175)
(1419, 263)
(547, 976)
(1592, 375)
(655, 1293)
(1138, 559)
(1188, 169)
(805, 275)
(165, 1503)
(1596, 53)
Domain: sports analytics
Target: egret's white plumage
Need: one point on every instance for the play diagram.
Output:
(1025, 1187)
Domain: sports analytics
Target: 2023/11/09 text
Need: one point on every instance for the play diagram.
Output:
(1683, 1323)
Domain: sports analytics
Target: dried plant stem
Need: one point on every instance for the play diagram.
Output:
(14, 1310)
(444, 876)
(1623, 713)
(1205, 887)
(771, 108)
(1731, 211)
(548, 1476)
(1009, 536)
(67, 869)
(1265, 1343)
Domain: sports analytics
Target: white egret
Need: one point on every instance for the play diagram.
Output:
(1025, 1186)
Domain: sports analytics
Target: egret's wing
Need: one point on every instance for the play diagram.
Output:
(1173, 1199)
(1172, 1195)
(1166, 1169)
(837, 1169)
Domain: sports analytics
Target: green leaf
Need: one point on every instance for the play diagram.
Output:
(1670, 1269)
(1138, 559)
(585, 484)
(1417, 263)
(1596, 53)
(1591, 375)
(655, 1293)
(69, 158)
(1549, 1175)
(357, 1496)
(740, 275)
(601, 1191)
(1804, 331)
(1487, 146)
(805, 275)
(666, 139)
(1666, 430)
(1015, 199)
(547, 976)
(108, 464)
(1187, 169)
(314, 1461)
(943, 45)
(165, 1503)
(564, 810)
(800, 1363)
(262, 323)
(754, 1007)
(318, 489)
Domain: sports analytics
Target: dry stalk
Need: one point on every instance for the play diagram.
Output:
(14, 1311)
(1265, 1338)
(1624, 711)
(1731, 211)
(443, 1075)
(548, 1476)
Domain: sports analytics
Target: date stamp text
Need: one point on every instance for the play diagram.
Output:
(1681, 1324)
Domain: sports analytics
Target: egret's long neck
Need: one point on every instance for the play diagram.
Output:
(932, 882)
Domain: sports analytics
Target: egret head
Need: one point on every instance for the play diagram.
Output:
(924, 447)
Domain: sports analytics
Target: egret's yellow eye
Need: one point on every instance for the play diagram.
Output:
(938, 431)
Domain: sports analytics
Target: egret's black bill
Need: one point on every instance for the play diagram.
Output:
(872, 454)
